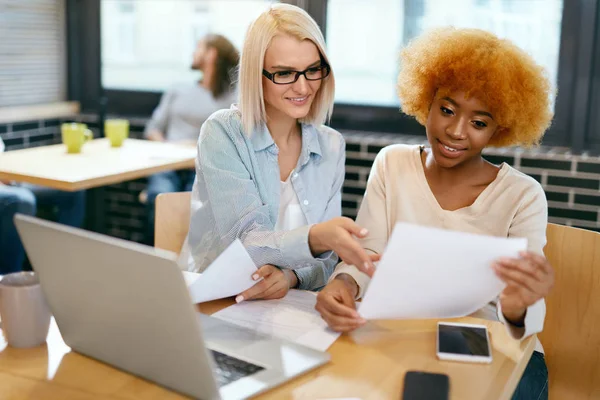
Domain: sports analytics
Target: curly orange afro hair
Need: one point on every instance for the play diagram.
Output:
(477, 62)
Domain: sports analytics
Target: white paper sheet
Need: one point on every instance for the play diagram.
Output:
(228, 275)
(434, 273)
(293, 318)
(190, 277)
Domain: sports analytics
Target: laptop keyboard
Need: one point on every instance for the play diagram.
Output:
(229, 369)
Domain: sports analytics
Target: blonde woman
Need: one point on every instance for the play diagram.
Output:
(268, 171)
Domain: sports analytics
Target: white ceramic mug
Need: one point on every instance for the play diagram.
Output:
(25, 314)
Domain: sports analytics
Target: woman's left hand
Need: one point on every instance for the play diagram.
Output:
(528, 279)
(275, 284)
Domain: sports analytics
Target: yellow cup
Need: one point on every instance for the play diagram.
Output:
(116, 130)
(74, 135)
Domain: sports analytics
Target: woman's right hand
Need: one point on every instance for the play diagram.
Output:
(336, 304)
(337, 235)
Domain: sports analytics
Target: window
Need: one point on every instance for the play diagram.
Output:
(32, 52)
(363, 39)
(147, 45)
(365, 54)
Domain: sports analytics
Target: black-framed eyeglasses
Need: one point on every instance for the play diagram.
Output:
(287, 77)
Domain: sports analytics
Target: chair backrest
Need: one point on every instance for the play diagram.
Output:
(571, 336)
(172, 220)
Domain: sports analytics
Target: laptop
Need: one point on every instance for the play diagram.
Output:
(127, 305)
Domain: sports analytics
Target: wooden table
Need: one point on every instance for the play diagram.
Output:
(368, 365)
(98, 164)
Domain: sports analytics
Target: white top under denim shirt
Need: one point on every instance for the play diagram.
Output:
(237, 193)
(290, 212)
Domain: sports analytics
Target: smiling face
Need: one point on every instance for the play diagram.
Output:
(458, 129)
(286, 53)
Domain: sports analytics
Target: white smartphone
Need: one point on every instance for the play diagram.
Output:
(463, 342)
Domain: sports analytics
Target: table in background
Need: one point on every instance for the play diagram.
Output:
(373, 369)
(96, 166)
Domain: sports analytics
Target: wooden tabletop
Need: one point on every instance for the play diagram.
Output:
(98, 164)
(370, 364)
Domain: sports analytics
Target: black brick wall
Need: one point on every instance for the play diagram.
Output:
(571, 182)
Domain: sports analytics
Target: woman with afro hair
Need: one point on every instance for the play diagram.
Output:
(470, 90)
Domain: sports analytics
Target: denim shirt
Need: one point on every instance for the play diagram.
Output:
(237, 189)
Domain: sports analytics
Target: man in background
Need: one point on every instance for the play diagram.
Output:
(184, 108)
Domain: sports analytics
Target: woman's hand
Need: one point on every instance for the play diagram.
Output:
(528, 279)
(338, 234)
(336, 304)
(275, 284)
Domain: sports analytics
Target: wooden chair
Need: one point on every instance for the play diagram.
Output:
(571, 336)
(172, 220)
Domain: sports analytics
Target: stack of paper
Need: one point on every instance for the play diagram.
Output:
(435, 273)
(293, 318)
(228, 275)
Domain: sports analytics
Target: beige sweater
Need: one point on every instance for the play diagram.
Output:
(513, 205)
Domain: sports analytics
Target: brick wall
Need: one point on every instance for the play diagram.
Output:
(30, 134)
(571, 182)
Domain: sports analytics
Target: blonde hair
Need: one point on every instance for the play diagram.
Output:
(294, 21)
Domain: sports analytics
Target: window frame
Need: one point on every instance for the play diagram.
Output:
(575, 125)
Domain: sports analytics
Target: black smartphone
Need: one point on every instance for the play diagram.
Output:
(425, 386)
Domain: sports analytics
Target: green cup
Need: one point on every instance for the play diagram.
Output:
(74, 135)
(116, 130)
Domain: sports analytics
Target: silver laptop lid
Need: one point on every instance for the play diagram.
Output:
(121, 303)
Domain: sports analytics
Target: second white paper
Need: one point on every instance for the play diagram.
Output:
(435, 273)
(228, 275)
